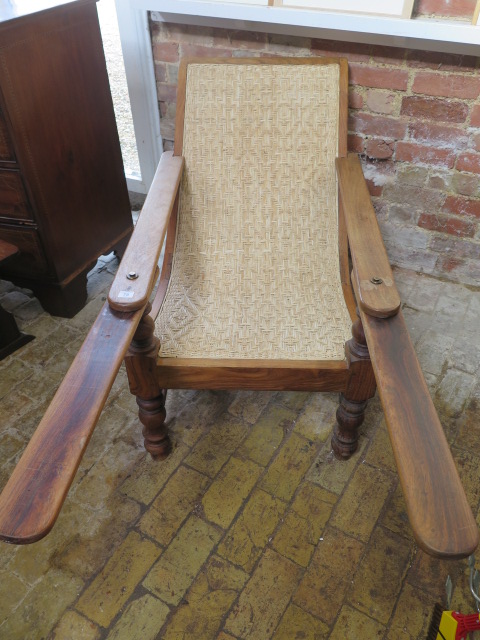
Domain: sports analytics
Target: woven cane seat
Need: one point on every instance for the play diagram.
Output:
(256, 264)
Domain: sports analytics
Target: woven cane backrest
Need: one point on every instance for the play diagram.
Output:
(256, 264)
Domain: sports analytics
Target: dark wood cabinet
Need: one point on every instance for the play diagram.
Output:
(63, 194)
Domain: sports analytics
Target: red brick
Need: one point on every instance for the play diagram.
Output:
(377, 125)
(388, 55)
(166, 92)
(412, 152)
(469, 162)
(381, 101)
(168, 31)
(166, 52)
(461, 206)
(439, 135)
(461, 248)
(287, 46)
(374, 189)
(163, 108)
(199, 51)
(434, 109)
(444, 224)
(355, 100)
(475, 119)
(160, 72)
(379, 78)
(379, 149)
(447, 8)
(247, 40)
(441, 61)
(355, 52)
(355, 143)
(448, 263)
(449, 86)
(476, 142)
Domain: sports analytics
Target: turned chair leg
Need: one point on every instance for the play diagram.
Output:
(360, 387)
(140, 362)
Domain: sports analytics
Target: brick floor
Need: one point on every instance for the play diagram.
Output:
(251, 528)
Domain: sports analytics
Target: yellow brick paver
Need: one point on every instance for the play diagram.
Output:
(249, 404)
(110, 590)
(148, 477)
(73, 626)
(412, 616)
(89, 550)
(329, 575)
(209, 599)
(297, 623)
(250, 529)
(245, 541)
(318, 418)
(360, 506)
(380, 575)
(288, 468)
(353, 625)
(12, 591)
(267, 435)
(142, 620)
(213, 451)
(332, 474)
(380, 452)
(226, 495)
(195, 417)
(296, 539)
(395, 515)
(42, 608)
(303, 526)
(264, 599)
(173, 573)
(184, 489)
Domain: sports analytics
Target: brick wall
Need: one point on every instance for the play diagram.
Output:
(414, 118)
(452, 9)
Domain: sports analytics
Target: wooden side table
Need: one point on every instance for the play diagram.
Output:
(63, 194)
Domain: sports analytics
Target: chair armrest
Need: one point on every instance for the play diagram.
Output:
(33, 496)
(143, 251)
(377, 294)
(438, 510)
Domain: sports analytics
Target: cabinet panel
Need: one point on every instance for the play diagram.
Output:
(6, 147)
(63, 193)
(31, 259)
(13, 199)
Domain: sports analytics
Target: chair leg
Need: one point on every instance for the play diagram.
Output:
(140, 362)
(360, 387)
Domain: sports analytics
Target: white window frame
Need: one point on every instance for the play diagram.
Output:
(444, 35)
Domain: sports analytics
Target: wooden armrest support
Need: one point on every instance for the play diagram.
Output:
(377, 294)
(35, 492)
(136, 274)
(441, 519)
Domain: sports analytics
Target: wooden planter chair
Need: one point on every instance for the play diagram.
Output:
(262, 205)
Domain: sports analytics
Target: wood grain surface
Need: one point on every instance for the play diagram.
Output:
(440, 516)
(34, 494)
(143, 251)
(376, 291)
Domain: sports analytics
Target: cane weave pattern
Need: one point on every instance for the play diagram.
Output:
(256, 266)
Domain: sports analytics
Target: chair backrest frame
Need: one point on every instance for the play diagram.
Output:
(344, 265)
